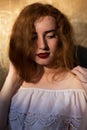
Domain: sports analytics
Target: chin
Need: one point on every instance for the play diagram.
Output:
(43, 64)
(46, 63)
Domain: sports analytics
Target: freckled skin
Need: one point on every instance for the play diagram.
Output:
(45, 39)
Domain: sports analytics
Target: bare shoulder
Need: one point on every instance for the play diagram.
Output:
(70, 81)
(74, 81)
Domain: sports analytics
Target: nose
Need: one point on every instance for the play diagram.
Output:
(42, 43)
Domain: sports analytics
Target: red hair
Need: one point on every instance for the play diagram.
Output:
(21, 43)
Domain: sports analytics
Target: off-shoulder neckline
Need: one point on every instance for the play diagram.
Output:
(52, 90)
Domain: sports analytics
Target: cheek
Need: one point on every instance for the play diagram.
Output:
(33, 53)
(54, 46)
(35, 48)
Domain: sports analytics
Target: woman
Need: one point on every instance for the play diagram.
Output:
(42, 84)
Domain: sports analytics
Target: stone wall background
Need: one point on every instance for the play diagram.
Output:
(76, 11)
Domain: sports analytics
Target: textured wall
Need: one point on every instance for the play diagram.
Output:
(76, 10)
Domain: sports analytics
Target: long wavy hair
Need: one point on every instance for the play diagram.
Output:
(21, 43)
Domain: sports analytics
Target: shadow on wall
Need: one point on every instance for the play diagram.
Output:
(82, 56)
(3, 73)
(80, 29)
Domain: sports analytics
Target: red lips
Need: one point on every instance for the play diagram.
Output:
(43, 55)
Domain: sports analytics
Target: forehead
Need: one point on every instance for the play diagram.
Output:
(45, 23)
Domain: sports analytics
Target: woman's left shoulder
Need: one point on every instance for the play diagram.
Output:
(74, 81)
(81, 74)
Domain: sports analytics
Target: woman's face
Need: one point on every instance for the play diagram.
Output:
(45, 40)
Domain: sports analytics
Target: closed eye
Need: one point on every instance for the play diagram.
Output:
(51, 36)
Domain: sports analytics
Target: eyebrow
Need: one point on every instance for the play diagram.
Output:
(46, 32)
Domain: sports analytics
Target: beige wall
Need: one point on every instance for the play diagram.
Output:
(76, 10)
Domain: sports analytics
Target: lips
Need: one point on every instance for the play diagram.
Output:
(43, 55)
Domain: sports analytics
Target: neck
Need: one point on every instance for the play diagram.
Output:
(48, 70)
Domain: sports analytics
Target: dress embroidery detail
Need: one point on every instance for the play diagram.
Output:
(46, 120)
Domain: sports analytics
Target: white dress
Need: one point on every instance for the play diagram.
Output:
(43, 109)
